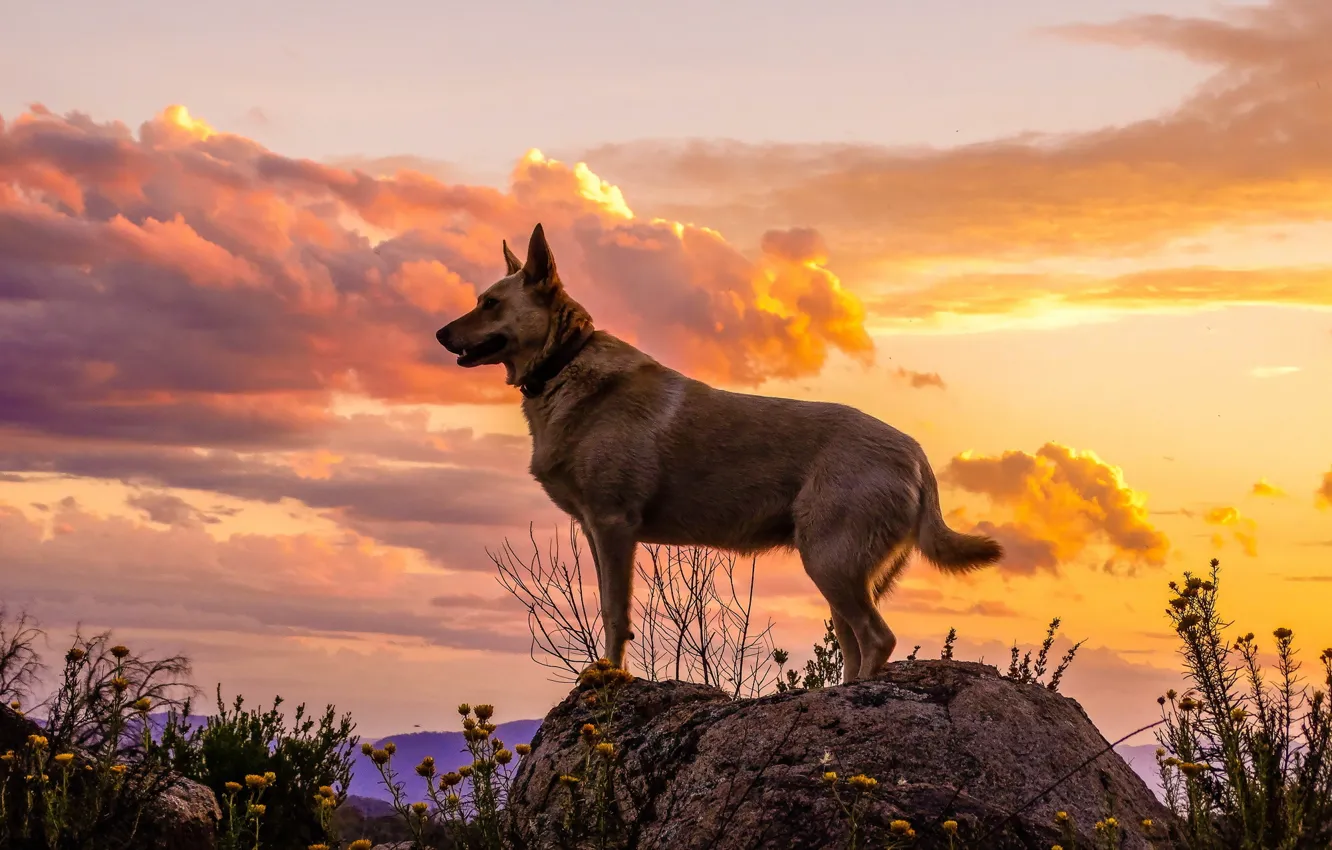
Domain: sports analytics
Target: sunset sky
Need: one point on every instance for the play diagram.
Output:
(1082, 252)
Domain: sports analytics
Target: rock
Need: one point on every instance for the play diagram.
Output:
(184, 818)
(944, 740)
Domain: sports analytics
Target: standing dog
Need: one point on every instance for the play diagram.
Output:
(637, 452)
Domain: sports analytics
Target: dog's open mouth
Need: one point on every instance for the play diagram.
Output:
(482, 351)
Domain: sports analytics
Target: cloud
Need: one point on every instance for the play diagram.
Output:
(1263, 487)
(1323, 495)
(170, 509)
(919, 380)
(1243, 528)
(113, 570)
(1248, 147)
(1065, 504)
(190, 287)
(1273, 371)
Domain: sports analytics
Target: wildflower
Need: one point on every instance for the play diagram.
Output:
(1100, 826)
(950, 827)
(464, 709)
(233, 787)
(605, 748)
(465, 771)
(1208, 586)
(1282, 634)
(1147, 824)
(469, 724)
(367, 749)
(64, 759)
(270, 777)
(1327, 655)
(317, 847)
(37, 742)
(1170, 694)
(1192, 769)
(427, 767)
(7, 757)
(523, 749)
(450, 779)
(118, 768)
(484, 711)
(899, 827)
(780, 656)
(120, 651)
(1173, 762)
(258, 809)
(1061, 816)
(1160, 751)
(142, 704)
(419, 809)
(254, 780)
(121, 684)
(1056, 847)
(826, 758)
(505, 756)
(380, 756)
(75, 655)
(452, 800)
(1174, 586)
(390, 747)
(361, 844)
(568, 781)
(16, 705)
(1111, 823)
(327, 792)
(1194, 582)
(830, 777)
(1188, 704)
(589, 732)
(1188, 621)
(861, 782)
(1160, 700)
(1237, 714)
(483, 733)
(1179, 603)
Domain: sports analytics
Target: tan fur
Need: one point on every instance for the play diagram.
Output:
(639, 453)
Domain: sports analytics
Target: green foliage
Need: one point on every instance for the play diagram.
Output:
(1246, 763)
(302, 757)
(821, 671)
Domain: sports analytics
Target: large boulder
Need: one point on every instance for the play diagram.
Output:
(944, 740)
(185, 817)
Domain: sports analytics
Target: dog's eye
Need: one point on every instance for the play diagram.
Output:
(489, 303)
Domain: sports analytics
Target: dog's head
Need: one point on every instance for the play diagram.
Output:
(518, 318)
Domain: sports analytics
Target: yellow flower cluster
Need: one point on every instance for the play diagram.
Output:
(257, 781)
(361, 844)
(604, 673)
(120, 652)
(861, 782)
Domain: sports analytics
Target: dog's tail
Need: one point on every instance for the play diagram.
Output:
(949, 550)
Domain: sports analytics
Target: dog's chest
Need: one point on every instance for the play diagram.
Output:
(551, 466)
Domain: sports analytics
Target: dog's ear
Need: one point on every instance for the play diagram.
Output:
(539, 270)
(515, 265)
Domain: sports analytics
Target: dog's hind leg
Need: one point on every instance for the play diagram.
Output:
(841, 569)
(846, 639)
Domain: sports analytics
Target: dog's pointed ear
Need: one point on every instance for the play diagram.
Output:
(539, 270)
(511, 260)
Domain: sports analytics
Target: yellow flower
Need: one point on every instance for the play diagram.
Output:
(1056, 847)
(523, 749)
(830, 777)
(318, 847)
(118, 768)
(465, 771)
(1147, 824)
(380, 756)
(1061, 816)
(950, 827)
(420, 809)
(862, 782)
(7, 757)
(1111, 823)
(589, 732)
(258, 809)
(16, 705)
(121, 684)
(1237, 714)
(37, 742)
(427, 767)
(606, 748)
(142, 704)
(1282, 634)
(367, 749)
(1191, 769)
(64, 759)
(120, 651)
(1160, 751)
(269, 777)
(469, 723)
(569, 781)
(75, 655)
(505, 756)
(327, 791)
(361, 844)
(1170, 694)
(390, 747)
(254, 780)
(1100, 826)
(450, 779)
(898, 827)
(464, 709)
(1188, 621)
(452, 800)
(233, 787)
(485, 711)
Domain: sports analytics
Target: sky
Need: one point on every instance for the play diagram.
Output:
(1082, 253)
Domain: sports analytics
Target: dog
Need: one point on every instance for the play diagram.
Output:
(639, 453)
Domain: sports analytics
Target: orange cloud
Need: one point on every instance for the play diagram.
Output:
(919, 380)
(183, 274)
(1065, 504)
(1241, 527)
(1323, 495)
(1263, 487)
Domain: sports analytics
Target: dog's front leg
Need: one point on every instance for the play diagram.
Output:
(615, 542)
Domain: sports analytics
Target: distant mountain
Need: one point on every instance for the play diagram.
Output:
(370, 807)
(1142, 758)
(448, 748)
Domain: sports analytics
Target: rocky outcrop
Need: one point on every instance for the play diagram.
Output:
(944, 740)
(185, 817)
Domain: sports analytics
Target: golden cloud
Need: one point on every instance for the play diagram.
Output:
(1323, 495)
(1244, 529)
(1064, 504)
(1263, 487)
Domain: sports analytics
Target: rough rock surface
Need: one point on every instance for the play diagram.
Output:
(945, 740)
(186, 819)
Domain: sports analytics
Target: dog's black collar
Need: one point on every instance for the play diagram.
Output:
(545, 371)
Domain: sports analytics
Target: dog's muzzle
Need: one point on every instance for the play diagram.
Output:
(446, 339)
